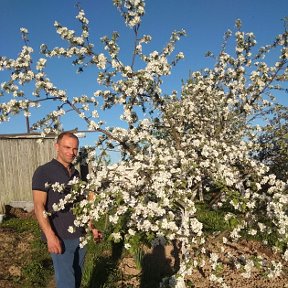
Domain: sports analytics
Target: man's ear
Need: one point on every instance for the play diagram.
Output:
(56, 146)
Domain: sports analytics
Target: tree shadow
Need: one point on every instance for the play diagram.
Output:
(105, 267)
(156, 266)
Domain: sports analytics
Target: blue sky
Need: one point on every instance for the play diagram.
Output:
(205, 22)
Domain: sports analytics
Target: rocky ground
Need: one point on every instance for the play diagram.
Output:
(15, 252)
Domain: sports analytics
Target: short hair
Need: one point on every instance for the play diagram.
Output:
(66, 133)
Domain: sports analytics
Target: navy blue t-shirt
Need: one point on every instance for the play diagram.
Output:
(51, 173)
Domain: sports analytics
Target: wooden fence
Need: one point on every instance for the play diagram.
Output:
(19, 157)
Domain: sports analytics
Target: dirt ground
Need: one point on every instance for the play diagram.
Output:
(15, 247)
(14, 252)
(162, 260)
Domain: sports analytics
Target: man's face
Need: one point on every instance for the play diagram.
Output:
(67, 150)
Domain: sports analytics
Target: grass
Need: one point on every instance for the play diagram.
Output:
(36, 265)
(102, 261)
(101, 269)
(101, 265)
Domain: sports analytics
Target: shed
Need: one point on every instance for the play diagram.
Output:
(20, 155)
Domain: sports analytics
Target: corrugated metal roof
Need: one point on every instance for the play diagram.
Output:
(26, 136)
(36, 135)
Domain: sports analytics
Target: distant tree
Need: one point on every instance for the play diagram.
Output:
(273, 144)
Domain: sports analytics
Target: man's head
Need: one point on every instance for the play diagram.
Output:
(66, 147)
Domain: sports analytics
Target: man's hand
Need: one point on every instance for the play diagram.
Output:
(54, 245)
(97, 235)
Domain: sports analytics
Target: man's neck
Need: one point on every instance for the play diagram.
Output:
(66, 165)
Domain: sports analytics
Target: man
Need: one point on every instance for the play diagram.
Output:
(63, 246)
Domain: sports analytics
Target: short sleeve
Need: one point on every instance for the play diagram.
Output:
(39, 180)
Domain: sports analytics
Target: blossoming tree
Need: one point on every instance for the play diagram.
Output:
(194, 149)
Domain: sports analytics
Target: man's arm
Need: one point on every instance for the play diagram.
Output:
(53, 242)
(97, 234)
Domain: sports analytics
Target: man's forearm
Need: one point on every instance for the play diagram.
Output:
(43, 221)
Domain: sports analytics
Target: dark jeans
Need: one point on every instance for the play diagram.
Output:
(68, 266)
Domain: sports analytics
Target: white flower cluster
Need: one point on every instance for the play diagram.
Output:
(132, 10)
